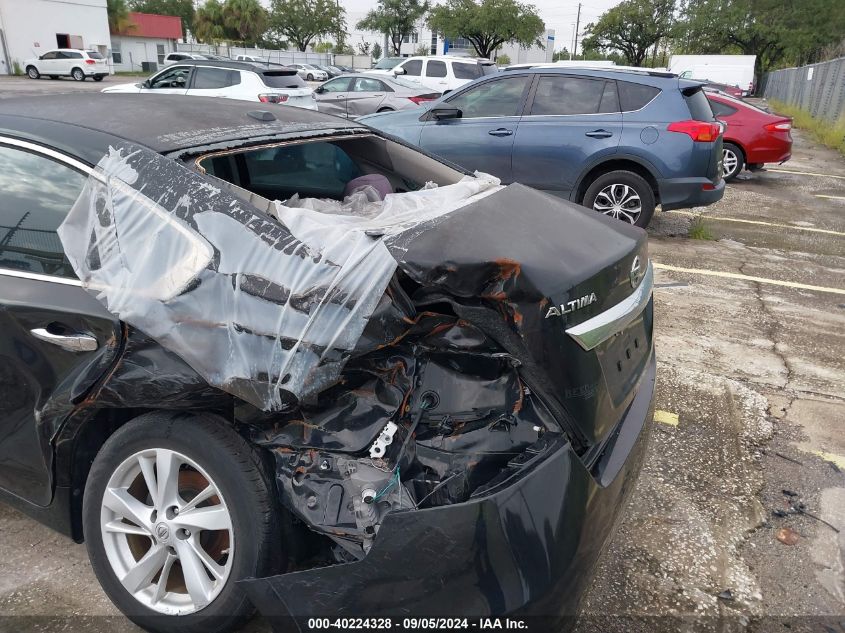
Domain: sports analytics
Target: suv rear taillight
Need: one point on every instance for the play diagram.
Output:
(698, 131)
(90, 61)
(272, 98)
(422, 98)
(779, 126)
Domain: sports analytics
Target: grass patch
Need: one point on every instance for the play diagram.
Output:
(698, 230)
(830, 134)
(130, 73)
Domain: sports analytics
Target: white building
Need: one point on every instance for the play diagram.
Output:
(29, 28)
(148, 38)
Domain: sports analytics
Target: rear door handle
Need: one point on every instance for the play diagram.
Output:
(500, 132)
(70, 342)
(599, 134)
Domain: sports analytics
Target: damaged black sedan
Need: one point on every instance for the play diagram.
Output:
(276, 359)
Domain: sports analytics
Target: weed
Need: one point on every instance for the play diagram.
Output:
(699, 231)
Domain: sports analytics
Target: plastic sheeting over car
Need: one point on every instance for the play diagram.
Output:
(266, 310)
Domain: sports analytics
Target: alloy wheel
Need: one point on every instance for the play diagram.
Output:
(167, 532)
(32, 72)
(619, 201)
(729, 162)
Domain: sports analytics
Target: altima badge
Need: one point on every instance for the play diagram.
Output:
(636, 273)
(572, 306)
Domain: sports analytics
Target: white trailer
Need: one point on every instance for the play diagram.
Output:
(733, 70)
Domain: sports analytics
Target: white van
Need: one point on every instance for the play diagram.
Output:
(733, 70)
(442, 72)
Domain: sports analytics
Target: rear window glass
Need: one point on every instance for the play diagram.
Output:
(634, 96)
(466, 71)
(699, 106)
(567, 95)
(94, 55)
(211, 78)
(283, 79)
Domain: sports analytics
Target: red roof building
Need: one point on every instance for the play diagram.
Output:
(165, 27)
(147, 40)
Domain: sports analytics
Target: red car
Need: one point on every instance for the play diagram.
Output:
(752, 136)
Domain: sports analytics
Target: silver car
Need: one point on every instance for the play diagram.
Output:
(309, 72)
(356, 95)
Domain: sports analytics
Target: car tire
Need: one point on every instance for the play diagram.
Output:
(77, 74)
(310, 77)
(98, 77)
(32, 72)
(733, 161)
(623, 195)
(132, 537)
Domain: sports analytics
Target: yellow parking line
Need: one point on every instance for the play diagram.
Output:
(666, 417)
(832, 458)
(762, 280)
(760, 222)
(805, 173)
(821, 195)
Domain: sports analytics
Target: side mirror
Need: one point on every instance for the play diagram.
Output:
(443, 113)
(319, 90)
(399, 71)
(146, 84)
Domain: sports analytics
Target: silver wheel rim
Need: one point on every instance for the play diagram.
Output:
(77, 74)
(729, 162)
(173, 554)
(619, 201)
(33, 73)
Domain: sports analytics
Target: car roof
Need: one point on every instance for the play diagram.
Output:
(452, 58)
(84, 125)
(231, 64)
(646, 76)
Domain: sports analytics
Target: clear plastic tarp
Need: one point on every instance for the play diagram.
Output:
(266, 309)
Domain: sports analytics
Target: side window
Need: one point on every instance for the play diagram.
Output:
(365, 84)
(212, 78)
(466, 71)
(50, 55)
(609, 98)
(172, 78)
(413, 68)
(634, 96)
(70, 55)
(337, 85)
(501, 97)
(435, 68)
(567, 95)
(36, 194)
(721, 109)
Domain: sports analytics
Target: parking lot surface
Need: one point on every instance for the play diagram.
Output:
(738, 520)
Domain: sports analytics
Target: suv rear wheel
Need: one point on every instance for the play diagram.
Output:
(623, 195)
(77, 74)
(176, 511)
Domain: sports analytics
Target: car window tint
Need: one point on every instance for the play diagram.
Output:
(492, 98)
(699, 106)
(365, 84)
(314, 168)
(36, 194)
(172, 78)
(435, 68)
(50, 55)
(413, 67)
(466, 71)
(211, 78)
(721, 109)
(70, 55)
(634, 96)
(609, 98)
(283, 79)
(94, 55)
(337, 85)
(567, 95)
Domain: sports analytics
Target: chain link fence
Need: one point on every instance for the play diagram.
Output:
(817, 88)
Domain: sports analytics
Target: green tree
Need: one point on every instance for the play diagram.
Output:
(342, 48)
(184, 9)
(394, 18)
(489, 23)
(247, 19)
(503, 60)
(118, 16)
(561, 55)
(376, 51)
(631, 28)
(301, 21)
(323, 47)
(209, 24)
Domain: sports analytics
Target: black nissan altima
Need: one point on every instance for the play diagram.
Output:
(272, 359)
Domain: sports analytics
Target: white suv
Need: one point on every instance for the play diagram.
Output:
(443, 72)
(229, 80)
(68, 62)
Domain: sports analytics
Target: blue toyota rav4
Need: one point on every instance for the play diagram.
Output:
(618, 141)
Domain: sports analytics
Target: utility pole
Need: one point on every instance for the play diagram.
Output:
(577, 26)
(572, 41)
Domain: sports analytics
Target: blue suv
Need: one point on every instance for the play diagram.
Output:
(617, 141)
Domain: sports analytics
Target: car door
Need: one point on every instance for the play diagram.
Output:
(214, 82)
(68, 60)
(570, 122)
(411, 70)
(435, 75)
(482, 138)
(174, 80)
(56, 340)
(48, 63)
(331, 96)
(365, 97)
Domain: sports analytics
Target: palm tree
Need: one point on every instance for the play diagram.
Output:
(209, 24)
(118, 15)
(247, 18)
